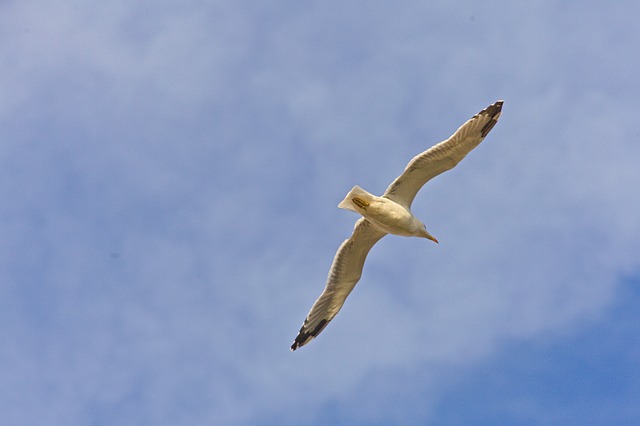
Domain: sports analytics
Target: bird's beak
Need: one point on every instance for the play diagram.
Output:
(431, 237)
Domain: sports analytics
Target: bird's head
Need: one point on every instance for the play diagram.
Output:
(425, 234)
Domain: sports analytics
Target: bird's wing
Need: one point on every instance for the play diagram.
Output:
(443, 156)
(344, 274)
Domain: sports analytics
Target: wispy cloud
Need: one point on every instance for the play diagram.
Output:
(169, 181)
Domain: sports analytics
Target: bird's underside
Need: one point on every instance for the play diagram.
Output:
(348, 262)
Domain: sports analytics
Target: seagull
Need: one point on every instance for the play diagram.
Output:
(389, 214)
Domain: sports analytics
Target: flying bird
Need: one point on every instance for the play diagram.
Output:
(389, 214)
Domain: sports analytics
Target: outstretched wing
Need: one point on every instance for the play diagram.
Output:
(345, 272)
(443, 156)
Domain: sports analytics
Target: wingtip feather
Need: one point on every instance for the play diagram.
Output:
(493, 111)
(305, 336)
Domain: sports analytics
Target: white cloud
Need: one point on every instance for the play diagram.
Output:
(172, 180)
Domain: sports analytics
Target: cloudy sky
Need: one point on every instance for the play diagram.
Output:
(169, 175)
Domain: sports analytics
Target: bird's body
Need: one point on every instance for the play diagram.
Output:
(389, 214)
(383, 213)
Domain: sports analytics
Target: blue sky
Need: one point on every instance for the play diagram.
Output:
(169, 179)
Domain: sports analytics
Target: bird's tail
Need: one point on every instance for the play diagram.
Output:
(356, 197)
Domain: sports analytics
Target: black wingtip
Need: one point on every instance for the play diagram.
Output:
(300, 340)
(492, 111)
(305, 337)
